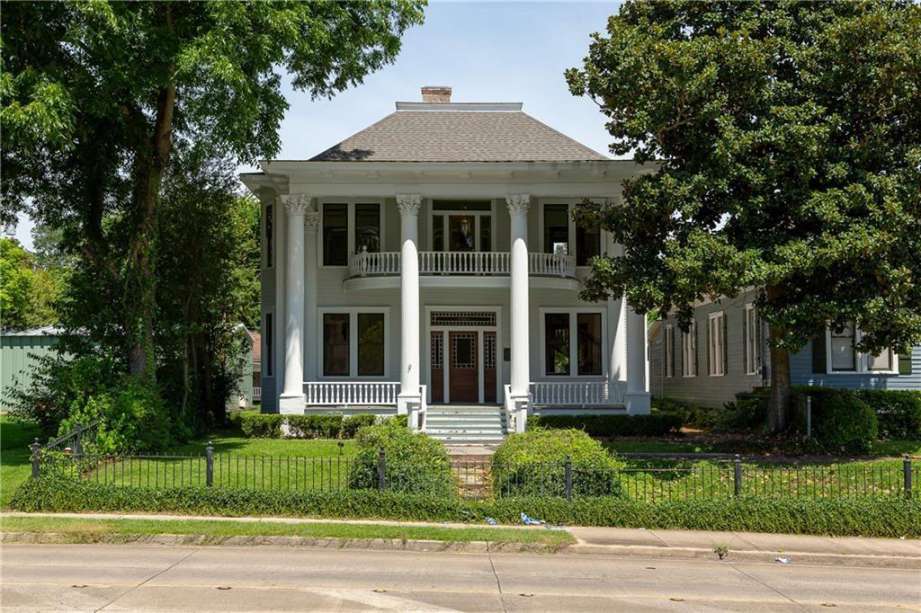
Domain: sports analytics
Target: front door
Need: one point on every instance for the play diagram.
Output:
(463, 375)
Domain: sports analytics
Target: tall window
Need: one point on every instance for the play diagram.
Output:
(751, 341)
(335, 234)
(588, 245)
(354, 343)
(269, 354)
(689, 351)
(461, 225)
(371, 344)
(589, 343)
(368, 227)
(716, 349)
(669, 351)
(336, 344)
(556, 339)
(573, 338)
(843, 354)
(556, 228)
(269, 235)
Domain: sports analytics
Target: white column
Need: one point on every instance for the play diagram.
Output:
(521, 355)
(311, 224)
(637, 399)
(292, 399)
(617, 335)
(409, 301)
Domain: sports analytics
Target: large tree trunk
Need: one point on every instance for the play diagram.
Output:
(779, 402)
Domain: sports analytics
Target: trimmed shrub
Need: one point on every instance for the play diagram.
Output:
(748, 412)
(688, 414)
(312, 426)
(414, 462)
(261, 425)
(840, 420)
(610, 425)
(351, 424)
(882, 517)
(273, 425)
(533, 464)
(898, 411)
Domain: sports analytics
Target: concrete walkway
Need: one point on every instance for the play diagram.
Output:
(620, 542)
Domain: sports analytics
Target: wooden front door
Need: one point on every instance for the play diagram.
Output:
(462, 376)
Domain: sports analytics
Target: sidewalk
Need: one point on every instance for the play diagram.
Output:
(640, 542)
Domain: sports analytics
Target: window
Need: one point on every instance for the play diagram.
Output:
(461, 226)
(588, 245)
(751, 341)
(354, 342)
(838, 354)
(689, 351)
(716, 344)
(368, 228)
(573, 338)
(843, 354)
(269, 235)
(669, 351)
(269, 354)
(881, 361)
(556, 228)
(335, 234)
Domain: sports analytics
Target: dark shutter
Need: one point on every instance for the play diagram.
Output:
(819, 359)
(905, 364)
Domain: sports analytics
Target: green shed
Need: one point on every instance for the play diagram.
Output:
(20, 350)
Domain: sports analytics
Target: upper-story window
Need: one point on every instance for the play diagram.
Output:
(560, 234)
(461, 226)
(350, 227)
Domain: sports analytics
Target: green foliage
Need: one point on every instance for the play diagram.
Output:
(610, 425)
(882, 517)
(268, 425)
(840, 420)
(28, 290)
(898, 411)
(533, 463)
(690, 414)
(748, 412)
(352, 423)
(787, 148)
(414, 463)
(261, 425)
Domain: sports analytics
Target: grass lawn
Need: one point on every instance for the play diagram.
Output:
(15, 463)
(90, 530)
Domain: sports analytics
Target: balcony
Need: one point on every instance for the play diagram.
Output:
(461, 269)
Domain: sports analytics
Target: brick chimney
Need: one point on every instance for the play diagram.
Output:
(436, 93)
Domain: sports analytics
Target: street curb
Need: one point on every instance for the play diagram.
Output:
(795, 557)
(64, 538)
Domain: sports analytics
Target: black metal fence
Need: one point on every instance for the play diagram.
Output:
(646, 477)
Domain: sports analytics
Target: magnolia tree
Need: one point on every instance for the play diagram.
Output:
(785, 146)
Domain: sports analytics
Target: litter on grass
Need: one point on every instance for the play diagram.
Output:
(491, 521)
(530, 521)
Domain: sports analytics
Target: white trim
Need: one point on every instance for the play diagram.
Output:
(861, 359)
(669, 351)
(573, 342)
(752, 353)
(715, 361)
(689, 349)
(353, 343)
(351, 249)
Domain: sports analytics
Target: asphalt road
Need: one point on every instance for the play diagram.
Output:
(160, 578)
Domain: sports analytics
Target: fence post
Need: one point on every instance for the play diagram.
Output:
(906, 471)
(808, 416)
(36, 448)
(737, 475)
(381, 469)
(209, 464)
(568, 475)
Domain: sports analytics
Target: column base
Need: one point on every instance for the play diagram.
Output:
(405, 400)
(292, 405)
(638, 403)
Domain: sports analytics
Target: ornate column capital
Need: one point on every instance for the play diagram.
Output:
(296, 204)
(518, 203)
(312, 220)
(409, 204)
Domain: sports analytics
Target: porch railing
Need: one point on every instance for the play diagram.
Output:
(574, 393)
(330, 393)
(257, 394)
(366, 264)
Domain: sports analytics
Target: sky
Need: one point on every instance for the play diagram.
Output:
(485, 51)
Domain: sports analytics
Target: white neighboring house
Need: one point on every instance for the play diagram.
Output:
(431, 259)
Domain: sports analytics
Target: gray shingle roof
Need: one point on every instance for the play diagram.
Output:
(458, 134)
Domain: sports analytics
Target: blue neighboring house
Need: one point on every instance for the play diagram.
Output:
(725, 352)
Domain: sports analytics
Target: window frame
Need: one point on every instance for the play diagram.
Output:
(751, 326)
(351, 227)
(669, 351)
(353, 343)
(573, 313)
(716, 361)
(446, 213)
(689, 351)
(571, 237)
(861, 358)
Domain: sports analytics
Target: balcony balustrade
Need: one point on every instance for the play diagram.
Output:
(497, 263)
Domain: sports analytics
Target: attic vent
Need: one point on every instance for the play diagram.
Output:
(436, 93)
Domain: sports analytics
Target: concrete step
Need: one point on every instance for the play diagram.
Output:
(468, 439)
(459, 431)
(451, 421)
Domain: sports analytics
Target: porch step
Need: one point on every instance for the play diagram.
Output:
(460, 425)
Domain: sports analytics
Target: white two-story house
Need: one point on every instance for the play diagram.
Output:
(431, 259)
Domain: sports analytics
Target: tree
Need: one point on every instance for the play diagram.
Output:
(783, 141)
(28, 291)
(97, 95)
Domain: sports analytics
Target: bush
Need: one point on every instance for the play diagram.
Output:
(351, 424)
(840, 420)
(273, 425)
(748, 412)
(688, 413)
(312, 426)
(898, 411)
(261, 425)
(533, 464)
(610, 425)
(881, 517)
(414, 462)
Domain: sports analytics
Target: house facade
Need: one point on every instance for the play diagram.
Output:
(431, 259)
(725, 352)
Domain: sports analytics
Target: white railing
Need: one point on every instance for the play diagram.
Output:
(516, 412)
(364, 263)
(574, 393)
(417, 411)
(323, 393)
(552, 264)
(464, 262)
(257, 394)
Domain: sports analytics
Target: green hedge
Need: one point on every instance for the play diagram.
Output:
(689, 414)
(898, 411)
(840, 419)
(269, 425)
(882, 517)
(611, 425)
